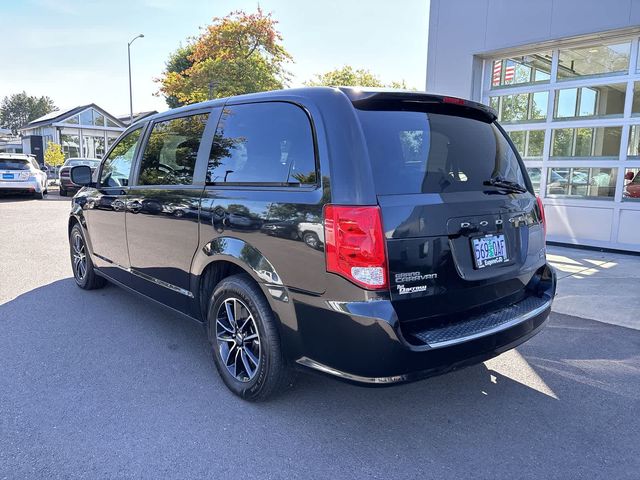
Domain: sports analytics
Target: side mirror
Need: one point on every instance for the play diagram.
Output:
(81, 175)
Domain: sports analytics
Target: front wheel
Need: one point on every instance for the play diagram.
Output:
(83, 270)
(245, 342)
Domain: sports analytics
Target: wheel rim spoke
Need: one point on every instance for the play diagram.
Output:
(238, 339)
(79, 257)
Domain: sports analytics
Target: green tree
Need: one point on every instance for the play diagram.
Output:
(240, 53)
(19, 109)
(179, 62)
(347, 76)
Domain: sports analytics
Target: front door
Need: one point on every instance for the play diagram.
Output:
(104, 209)
(163, 209)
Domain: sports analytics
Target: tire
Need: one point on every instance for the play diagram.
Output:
(235, 350)
(38, 195)
(311, 239)
(86, 278)
(63, 192)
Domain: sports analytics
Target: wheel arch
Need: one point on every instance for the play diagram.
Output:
(225, 256)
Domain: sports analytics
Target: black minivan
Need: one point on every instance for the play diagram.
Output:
(377, 236)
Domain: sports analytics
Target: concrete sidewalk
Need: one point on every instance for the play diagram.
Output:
(600, 286)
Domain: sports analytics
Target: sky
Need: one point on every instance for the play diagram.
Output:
(75, 51)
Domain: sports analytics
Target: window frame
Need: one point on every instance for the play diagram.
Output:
(135, 176)
(269, 185)
(198, 177)
(136, 153)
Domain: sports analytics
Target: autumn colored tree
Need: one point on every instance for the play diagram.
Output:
(347, 76)
(53, 155)
(240, 53)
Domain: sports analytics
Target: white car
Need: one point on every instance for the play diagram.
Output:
(20, 173)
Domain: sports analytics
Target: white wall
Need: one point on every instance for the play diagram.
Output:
(460, 29)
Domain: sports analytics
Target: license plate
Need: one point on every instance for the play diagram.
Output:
(489, 250)
(7, 176)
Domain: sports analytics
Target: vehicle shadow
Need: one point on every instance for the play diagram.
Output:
(117, 368)
(53, 196)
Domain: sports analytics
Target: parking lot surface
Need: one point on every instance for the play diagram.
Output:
(104, 384)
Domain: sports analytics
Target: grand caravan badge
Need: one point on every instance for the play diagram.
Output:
(414, 277)
(402, 278)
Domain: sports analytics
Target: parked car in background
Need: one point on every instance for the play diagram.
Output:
(632, 188)
(66, 185)
(20, 173)
(419, 246)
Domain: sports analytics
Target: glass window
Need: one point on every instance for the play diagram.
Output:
(269, 142)
(70, 145)
(92, 146)
(593, 60)
(421, 152)
(635, 104)
(631, 190)
(86, 117)
(171, 151)
(598, 101)
(633, 149)
(586, 142)
(520, 70)
(582, 182)
(111, 123)
(521, 107)
(529, 143)
(98, 119)
(535, 174)
(117, 167)
(72, 120)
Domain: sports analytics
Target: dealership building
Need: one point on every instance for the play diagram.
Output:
(564, 77)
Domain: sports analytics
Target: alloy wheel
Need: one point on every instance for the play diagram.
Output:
(79, 256)
(238, 339)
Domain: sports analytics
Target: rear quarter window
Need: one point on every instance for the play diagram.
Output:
(263, 143)
(418, 152)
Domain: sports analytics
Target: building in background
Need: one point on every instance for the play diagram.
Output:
(9, 143)
(564, 76)
(136, 116)
(85, 131)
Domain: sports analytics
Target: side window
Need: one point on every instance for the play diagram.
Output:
(117, 167)
(35, 164)
(170, 154)
(268, 142)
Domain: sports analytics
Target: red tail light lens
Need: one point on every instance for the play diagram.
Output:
(543, 219)
(354, 245)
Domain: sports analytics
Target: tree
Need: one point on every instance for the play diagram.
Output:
(347, 76)
(19, 109)
(240, 53)
(53, 155)
(179, 62)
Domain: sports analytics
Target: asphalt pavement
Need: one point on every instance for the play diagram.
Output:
(104, 384)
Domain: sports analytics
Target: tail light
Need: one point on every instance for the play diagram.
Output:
(354, 245)
(64, 173)
(543, 219)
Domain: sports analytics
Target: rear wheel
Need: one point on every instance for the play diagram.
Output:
(311, 239)
(245, 341)
(63, 192)
(38, 195)
(83, 271)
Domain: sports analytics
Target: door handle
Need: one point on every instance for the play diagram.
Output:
(134, 207)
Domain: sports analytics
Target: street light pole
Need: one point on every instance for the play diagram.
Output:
(130, 91)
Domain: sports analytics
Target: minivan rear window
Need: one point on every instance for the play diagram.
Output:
(420, 152)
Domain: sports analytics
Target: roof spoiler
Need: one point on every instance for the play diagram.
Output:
(407, 100)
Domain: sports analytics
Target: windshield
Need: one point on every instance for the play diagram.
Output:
(14, 164)
(418, 152)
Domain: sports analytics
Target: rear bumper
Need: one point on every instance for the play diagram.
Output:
(67, 184)
(27, 186)
(363, 343)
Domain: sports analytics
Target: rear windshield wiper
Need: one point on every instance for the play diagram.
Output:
(506, 184)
